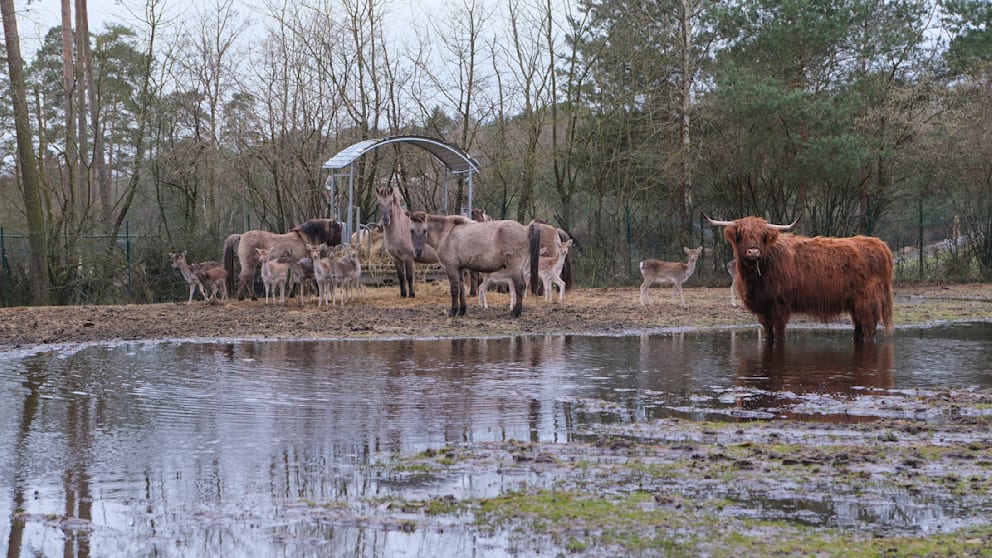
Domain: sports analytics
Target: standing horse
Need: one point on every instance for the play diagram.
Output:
(463, 245)
(290, 246)
(397, 241)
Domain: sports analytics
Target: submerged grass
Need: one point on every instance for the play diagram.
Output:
(685, 488)
(636, 524)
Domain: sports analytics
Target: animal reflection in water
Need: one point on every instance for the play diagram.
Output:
(778, 376)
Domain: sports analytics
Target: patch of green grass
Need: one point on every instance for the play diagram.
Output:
(634, 524)
(631, 521)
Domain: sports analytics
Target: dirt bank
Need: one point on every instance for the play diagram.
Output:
(382, 313)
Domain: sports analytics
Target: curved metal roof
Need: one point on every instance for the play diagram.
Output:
(453, 158)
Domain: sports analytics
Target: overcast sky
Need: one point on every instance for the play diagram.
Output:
(36, 17)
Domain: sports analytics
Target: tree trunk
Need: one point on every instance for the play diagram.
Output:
(82, 108)
(30, 181)
(143, 102)
(688, 73)
(75, 205)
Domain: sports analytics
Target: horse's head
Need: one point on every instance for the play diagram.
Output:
(385, 196)
(419, 232)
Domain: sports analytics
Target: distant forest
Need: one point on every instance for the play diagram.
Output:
(618, 121)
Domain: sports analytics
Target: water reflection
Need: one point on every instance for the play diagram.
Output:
(186, 448)
(774, 375)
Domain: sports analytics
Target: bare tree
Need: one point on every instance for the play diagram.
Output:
(566, 108)
(144, 97)
(207, 64)
(457, 72)
(30, 181)
(532, 64)
(76, 205)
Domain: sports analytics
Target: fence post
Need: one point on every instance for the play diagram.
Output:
(919, 239)
(6, 269)
(127, 255)
(629, 239)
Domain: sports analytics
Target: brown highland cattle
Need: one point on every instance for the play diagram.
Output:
(779, 274)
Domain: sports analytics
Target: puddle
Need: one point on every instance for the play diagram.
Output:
(266, 448)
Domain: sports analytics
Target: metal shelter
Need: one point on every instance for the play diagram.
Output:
(455, 161)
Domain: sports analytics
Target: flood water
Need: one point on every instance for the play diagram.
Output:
(205, 448)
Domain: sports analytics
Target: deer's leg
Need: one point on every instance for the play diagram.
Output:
(561, 288)
(644, 292)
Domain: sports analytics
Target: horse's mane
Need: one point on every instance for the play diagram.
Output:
(320, 231)
(423, 216)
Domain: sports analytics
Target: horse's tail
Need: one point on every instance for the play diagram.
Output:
(566, 269)
(230, 245)
(534, 237)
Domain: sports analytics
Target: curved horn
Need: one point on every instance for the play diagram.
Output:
(714, 222)
(785, 227)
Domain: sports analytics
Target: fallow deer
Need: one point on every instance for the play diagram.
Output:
(676, 273)
(274, 275)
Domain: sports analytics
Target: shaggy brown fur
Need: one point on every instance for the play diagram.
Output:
(779, 274)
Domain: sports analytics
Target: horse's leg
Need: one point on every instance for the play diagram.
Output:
(474, 280)
(454, 277)
(518, 289)
(243, 285)
(400, 264)
(409, 277)
(462, 305)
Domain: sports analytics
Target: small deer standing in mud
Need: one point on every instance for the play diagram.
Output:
(301, 273)
(658, 272)
(732, 270)
(201, 275)
(323, 274)
(274, 275)
(348, 272)
(549, 269)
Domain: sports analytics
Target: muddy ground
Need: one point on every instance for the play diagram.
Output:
(665, 487)
(380, 312)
